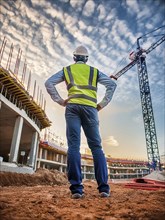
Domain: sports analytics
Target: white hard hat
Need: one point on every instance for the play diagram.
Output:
(81, 50)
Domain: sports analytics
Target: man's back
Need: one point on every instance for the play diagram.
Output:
(81, 80)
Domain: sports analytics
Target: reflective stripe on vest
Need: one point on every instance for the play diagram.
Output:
(84, 97)
(87, 90)
(89, 86)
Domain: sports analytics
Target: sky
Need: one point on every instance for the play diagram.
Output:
(48, 31)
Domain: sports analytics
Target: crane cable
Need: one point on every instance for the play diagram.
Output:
(131, 48)
(124, 58)
(152, 32)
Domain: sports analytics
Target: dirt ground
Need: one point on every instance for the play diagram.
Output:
(45, 195)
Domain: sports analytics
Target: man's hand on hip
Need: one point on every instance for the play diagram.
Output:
(64, 103)
(98, 107)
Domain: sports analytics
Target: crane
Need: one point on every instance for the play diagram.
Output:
(139, 58)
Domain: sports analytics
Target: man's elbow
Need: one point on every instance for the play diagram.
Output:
(113, 85)
(47, 83)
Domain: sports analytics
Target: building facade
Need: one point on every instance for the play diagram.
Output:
(52, 156)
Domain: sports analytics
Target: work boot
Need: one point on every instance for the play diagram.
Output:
(77, 196)
(104, 195)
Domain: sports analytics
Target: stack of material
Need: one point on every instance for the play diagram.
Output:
(153, 181)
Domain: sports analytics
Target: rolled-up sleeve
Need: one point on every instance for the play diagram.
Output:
(51, 89)
(110, 86)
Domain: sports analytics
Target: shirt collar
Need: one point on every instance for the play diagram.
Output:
(79, 62)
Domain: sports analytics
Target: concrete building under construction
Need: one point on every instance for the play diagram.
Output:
(22, 114)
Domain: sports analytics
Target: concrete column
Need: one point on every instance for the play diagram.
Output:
(16, 139)
(60, 169)
(39, 157)
(65, 159)
(35, 162)
(56, 157)
(33, 150)
(45, 154)
(40, 153)
(61, 160)
(108, 171)
(59, 157)
(84, 172)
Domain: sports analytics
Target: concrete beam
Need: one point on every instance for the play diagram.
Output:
(20, 112)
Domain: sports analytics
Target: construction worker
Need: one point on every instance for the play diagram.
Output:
(82, 111)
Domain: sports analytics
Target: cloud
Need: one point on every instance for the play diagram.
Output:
(138, 119)
(48, 32)
(76, 4)
(102, 12)
(88, 9)
(132, 7)
(111, 141)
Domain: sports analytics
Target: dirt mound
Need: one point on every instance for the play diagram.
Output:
(40, 177)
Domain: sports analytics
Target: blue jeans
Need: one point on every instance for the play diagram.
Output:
(87, 117)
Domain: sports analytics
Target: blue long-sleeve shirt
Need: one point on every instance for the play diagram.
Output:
(103, 79)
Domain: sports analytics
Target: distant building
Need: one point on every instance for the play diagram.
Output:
(51, 156)
(162, 159)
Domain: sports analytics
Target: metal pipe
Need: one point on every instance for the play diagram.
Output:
(2, 48)
(18, 60)
(34, 90)
(10, 57)
(29, 82)
(24, 72)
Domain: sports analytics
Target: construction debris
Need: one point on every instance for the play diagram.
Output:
(153, 181)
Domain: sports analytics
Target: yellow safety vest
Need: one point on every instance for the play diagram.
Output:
(81, 81)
